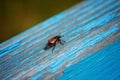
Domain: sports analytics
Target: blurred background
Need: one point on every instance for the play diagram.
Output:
(18, 15)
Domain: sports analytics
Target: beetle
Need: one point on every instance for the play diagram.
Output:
(52, 42)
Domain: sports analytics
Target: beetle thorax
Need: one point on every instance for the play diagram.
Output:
(53, 40)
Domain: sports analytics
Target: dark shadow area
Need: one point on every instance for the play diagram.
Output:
(19, 15)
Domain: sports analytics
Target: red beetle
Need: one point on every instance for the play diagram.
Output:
(52, 42)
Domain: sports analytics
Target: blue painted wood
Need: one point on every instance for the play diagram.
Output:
(87, 27)
(103, 65)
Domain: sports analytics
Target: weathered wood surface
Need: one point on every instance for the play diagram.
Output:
(87, 27)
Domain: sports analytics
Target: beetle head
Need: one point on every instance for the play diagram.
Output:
(58, 36)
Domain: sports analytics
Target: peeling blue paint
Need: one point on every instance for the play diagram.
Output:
(79, 26)
(93, 67)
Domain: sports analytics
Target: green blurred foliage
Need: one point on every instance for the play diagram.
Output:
(18, 15)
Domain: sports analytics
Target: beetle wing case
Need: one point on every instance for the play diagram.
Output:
(48, 46)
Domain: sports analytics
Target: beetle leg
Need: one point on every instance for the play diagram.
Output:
(61, 42)
(53, 47)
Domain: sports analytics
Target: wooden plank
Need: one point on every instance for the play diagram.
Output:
(87, 28)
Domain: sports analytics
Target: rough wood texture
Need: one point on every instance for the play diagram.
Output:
(88, 27)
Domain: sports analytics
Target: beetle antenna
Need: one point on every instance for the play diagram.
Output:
(61, 35)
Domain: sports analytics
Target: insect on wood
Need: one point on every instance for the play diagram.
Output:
(53, 41)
